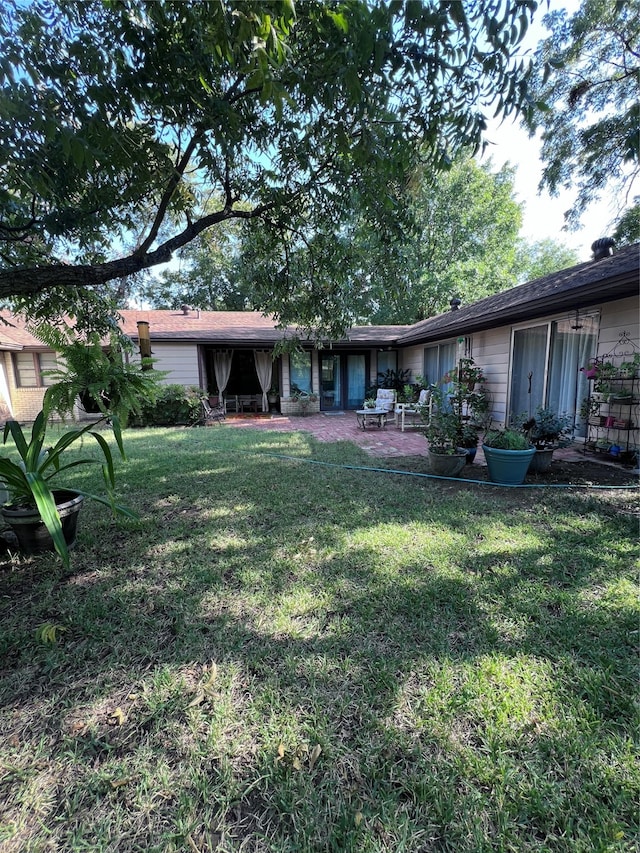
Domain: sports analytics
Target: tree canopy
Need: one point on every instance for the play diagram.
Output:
(585, 91)
(210, 274)
(543, 257)
(121, 121)
(464, 244)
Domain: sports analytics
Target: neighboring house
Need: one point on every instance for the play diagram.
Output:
(531, 342)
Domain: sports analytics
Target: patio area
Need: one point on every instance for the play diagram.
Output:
(388, 441)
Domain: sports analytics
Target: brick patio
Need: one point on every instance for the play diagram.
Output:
(387, 441)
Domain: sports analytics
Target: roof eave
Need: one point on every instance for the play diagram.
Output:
(584, 297)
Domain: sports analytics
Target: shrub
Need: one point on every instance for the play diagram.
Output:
(176, 405)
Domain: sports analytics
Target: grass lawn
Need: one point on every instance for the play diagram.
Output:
(289, 657)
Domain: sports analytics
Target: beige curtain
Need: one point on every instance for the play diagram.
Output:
(222, 369)
(264, 369)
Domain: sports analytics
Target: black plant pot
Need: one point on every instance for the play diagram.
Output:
(89, 404)
(31, 533)
(541, 462)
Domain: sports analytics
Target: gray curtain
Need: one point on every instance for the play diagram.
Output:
(264, 368)
(222, 368)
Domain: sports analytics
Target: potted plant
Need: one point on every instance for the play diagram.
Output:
(408, 394)
(369, 403)
(43, 517)
(606, 370)
(468, 440)
(628, 369)
(546, 431)
(466, 374)
(622, 395)
(443, 432)
(100, 378)
(508, 454)
(303, 398)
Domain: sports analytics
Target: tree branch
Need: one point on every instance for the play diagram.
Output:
(175, 179)
(31, 280)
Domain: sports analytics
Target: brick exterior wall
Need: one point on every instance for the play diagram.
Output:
(293, 407)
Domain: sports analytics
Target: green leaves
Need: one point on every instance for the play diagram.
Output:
(584, 99)
(121, 121)
(28, 480)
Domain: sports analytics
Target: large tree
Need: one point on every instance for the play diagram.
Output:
(543, 257)
(121, 119)
(209, 274)
(464, 244)
(586, 95)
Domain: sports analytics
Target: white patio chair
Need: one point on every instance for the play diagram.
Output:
(386, 401)
(410, 414)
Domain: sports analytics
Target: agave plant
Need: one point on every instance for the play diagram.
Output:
(28, 480)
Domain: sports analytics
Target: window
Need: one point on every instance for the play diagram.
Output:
(439, 360)
(387, 361)
(300, 378)
(30, 367)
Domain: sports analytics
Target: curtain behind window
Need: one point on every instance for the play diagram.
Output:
(571, 349)
(439, 360)
(300, 374)
(528, 370)
(356, 380)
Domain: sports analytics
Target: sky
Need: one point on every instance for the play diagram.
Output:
(543, 216)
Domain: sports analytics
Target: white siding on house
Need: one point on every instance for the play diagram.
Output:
(617, 318)
(180, 361)
(491, 349)
(412, 359)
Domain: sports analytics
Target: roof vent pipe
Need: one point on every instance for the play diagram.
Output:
(455, 303)
(185, 309)
(603, 248)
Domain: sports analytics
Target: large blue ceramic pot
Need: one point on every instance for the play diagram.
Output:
(508, 467)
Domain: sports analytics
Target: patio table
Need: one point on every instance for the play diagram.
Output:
(369, 415)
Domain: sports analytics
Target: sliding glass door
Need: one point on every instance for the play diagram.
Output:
(545, 366)
(528, 369)
(343, 380)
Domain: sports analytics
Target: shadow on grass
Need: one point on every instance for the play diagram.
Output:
(465, 661)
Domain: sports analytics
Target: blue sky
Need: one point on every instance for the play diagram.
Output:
(544, 215)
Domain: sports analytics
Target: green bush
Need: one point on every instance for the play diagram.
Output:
(176, 405)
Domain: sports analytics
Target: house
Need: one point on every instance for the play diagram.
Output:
(531, 342)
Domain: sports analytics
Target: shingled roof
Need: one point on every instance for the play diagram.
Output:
(581, 286)
(237, 328)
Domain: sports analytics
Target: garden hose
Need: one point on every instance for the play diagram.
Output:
(432, 476)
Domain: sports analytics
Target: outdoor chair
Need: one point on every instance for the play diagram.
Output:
(386, 401)
(212, 414)
(410, 413)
